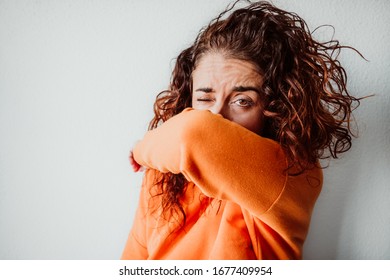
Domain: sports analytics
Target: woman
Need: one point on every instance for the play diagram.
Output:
(232, 152)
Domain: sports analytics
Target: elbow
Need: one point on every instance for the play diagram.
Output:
(198, 123)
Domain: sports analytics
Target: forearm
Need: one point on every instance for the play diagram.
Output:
(225, 160)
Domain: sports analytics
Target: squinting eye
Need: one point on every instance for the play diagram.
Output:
(243, 102)
(203, 100)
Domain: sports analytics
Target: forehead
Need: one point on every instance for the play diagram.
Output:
(216, 67)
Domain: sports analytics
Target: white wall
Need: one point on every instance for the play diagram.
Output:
(77, 84)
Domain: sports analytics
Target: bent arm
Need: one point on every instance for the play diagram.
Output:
(225, 160)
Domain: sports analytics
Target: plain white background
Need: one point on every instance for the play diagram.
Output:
(77, 84)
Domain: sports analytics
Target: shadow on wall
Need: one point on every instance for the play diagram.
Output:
(350, 218)
(323, 242)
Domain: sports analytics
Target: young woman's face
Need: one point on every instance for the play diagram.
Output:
(230, 87)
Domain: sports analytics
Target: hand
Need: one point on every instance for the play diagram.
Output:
(136, 167)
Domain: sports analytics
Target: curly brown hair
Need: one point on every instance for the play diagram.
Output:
(308, 108)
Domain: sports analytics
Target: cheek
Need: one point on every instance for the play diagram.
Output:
(253, 121)
(193, 103)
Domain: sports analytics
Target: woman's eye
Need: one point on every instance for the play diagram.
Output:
(243, 102)
(203, 100)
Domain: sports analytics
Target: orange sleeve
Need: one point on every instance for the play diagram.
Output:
(225, 160)
(136, 245)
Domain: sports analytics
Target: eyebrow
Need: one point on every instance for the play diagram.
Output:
(244, 88)
(236, 89)
(205, 89)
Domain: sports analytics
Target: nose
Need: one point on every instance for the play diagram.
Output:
(220, 107)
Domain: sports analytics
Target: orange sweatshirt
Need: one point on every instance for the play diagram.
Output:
(256, 211)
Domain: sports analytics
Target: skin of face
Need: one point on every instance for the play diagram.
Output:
(229, 87)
